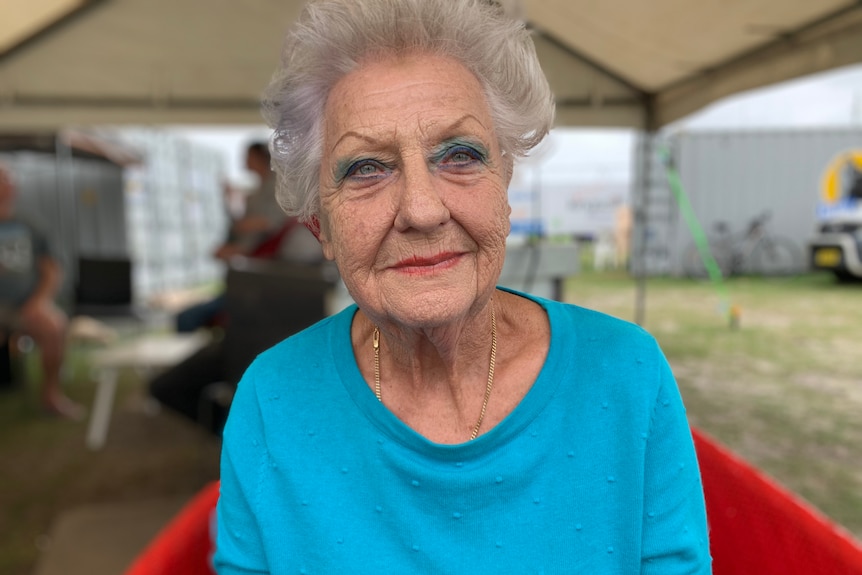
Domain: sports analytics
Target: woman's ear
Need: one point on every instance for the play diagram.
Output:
(313, 225)
(321, 232)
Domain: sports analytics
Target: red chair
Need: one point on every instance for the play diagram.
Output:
(756, 527)
(185, 545)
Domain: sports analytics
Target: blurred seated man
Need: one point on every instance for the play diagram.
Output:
(263, 232)
(266, 303)
(29, 280)
(262, 216)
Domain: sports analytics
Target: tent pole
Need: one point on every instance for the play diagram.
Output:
(645, 150)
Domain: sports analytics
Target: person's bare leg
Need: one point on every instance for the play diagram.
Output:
(47, 326)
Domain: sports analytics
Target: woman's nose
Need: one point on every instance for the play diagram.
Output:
(420, 205)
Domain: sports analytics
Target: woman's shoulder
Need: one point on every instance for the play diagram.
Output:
(599, 323)
(297, 355)
(572, 318)
(306, 344)
(295, 369)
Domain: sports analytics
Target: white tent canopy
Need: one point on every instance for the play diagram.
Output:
(623, 63)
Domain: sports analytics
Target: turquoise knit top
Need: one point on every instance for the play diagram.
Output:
(593, 472)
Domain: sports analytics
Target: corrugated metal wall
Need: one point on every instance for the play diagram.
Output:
(175, 211)
(99, 200)
(167, 215)
(732, 177)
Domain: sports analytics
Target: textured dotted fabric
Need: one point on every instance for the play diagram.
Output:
(594, 472)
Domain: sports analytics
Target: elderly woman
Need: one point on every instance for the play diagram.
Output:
(442, 424)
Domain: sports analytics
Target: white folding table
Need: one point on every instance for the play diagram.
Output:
(150, 352)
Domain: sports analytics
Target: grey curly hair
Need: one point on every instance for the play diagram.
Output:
(332, 37)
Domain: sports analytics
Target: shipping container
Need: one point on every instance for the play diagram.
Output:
(730, 179)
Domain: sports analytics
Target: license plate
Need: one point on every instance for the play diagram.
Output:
(827, 257)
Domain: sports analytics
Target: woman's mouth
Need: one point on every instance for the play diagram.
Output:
(426, 264)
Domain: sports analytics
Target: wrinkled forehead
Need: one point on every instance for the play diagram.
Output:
(397, 94)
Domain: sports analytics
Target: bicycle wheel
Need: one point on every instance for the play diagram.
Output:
(694, 267)
(775, 256)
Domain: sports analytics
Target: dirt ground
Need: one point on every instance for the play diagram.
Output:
(45, 468)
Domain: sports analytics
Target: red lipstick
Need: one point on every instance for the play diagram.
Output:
(420, 264)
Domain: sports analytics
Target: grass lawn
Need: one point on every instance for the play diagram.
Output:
(783, 389)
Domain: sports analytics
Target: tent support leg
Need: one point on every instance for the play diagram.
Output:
(644, 159)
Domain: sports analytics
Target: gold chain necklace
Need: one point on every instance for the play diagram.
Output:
(375, 341)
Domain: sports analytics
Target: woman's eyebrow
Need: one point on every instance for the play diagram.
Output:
(460, 122)
(356, 135)
(454, 126)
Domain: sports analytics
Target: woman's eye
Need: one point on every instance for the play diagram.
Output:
(462, 156)
(364, 169)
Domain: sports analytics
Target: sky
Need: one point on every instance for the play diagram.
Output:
(828, 100)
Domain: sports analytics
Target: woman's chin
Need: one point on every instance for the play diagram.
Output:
(431, 307)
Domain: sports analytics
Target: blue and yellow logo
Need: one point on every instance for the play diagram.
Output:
(843, 178)
(841, 185)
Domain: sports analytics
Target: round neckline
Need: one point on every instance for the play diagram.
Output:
(392, 428)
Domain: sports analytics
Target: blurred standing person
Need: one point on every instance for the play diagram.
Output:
(30, 277)
(263, 231)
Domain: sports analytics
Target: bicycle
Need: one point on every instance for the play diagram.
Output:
(754, 251)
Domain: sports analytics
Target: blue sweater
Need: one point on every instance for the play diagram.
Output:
(594, 471)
